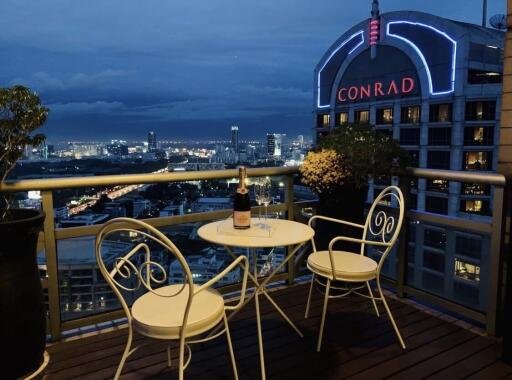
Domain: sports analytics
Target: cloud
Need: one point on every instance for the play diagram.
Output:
(203, 62)
(83, 108)
(42, 81)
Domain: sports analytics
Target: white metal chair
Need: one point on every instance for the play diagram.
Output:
(380, 231)
(170, 312)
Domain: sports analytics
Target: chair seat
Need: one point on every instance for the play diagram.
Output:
(348, 266)
(161, 317)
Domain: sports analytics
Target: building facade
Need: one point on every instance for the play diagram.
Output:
(434, 85)
(152, 144)
(274, 145)
(234, 139)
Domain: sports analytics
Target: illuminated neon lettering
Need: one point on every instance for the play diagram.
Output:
(352, 93)
(392, 88)
(365, 91)
(407, 85)
(341, 97)
(378, 89)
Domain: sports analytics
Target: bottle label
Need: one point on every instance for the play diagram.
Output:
(242, 219)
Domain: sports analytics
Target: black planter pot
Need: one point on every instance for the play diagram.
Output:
(22, 309)
(348, 204)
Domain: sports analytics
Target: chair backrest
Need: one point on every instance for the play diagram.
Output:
(138, 270)
(384, 221)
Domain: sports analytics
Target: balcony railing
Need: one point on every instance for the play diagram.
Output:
(398, 272)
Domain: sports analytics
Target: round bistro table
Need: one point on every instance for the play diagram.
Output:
(284, 233)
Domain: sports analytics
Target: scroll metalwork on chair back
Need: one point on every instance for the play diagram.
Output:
(384, 221)
(138, 271)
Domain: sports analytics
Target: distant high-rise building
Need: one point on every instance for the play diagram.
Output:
(234, 138)
(274, 144)
(300, 140)
(44, 151)
(117, 148)
(151, 141)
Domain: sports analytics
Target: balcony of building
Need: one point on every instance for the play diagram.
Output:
(358, 345)
(446, 278)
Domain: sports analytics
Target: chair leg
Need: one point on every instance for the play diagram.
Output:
(169, 362)
(373, 299)
(324, 312)
(126, 353)
(309, 297)
(181, 367)
(230, 346)
(390, 316)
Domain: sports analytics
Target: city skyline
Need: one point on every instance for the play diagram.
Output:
(186, 71)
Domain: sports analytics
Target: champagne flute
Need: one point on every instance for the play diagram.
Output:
(257, 195)
(265, 195)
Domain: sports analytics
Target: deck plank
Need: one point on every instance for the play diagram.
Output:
(444, 359)
(357, 345)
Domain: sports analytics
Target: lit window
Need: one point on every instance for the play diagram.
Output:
(440, 113)
(475, 189)
(385, 116)
(411, 115)
(478, 160)
(438, 185)
(362, 116)
(474, 205)
(342, 118)
(479, 135)
(467, 271)
(480, 110)
(484, 77)
(323, 120)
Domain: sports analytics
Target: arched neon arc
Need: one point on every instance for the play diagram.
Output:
(359, 34)
(422, 57)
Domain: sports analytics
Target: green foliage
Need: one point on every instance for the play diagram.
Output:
(21, 113)
(367, 152)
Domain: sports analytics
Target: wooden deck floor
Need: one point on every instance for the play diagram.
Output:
(357, 345)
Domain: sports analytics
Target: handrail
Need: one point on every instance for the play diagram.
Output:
(52, 235)
(148, 178)
(136, 179)
(488, 178)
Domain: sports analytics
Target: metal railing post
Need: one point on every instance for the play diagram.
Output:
(403, 241)
(51, 265)
(288, 199)
(495, 260)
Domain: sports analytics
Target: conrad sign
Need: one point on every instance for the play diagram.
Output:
(376, 89)
(390, 75)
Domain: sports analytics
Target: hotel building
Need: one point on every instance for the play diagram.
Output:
(434, 85)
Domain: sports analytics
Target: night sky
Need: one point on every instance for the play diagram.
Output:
(187, 69)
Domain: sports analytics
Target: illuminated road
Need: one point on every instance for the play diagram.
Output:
(112, 193)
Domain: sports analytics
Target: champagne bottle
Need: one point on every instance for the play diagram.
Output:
(242, 205)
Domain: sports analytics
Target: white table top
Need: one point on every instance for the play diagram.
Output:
(286, 232)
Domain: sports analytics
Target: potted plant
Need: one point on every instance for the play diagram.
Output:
(338, 170)
(22, 308)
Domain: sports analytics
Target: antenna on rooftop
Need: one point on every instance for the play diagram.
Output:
(498, 21)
